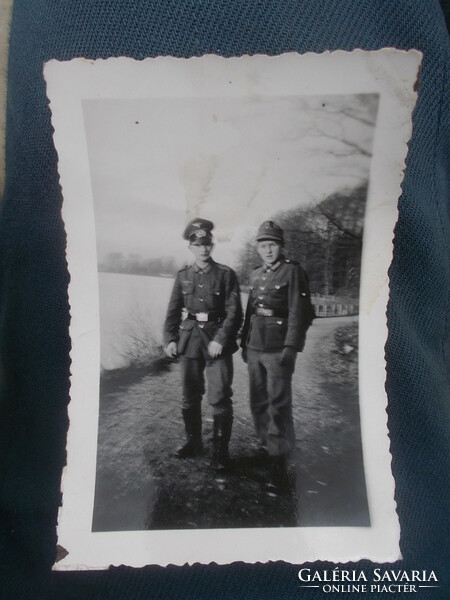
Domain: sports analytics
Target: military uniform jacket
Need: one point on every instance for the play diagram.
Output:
(213, 290)
(284, 290)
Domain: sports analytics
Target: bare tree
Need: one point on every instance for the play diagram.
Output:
(347, 122)
(326, 239)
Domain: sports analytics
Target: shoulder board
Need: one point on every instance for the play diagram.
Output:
(224, 267)
(185, 268)
(291, 262)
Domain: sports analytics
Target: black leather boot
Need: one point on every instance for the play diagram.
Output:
(193, 424)
(278, 482)
(220, 460)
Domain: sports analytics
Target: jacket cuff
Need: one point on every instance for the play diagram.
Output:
(221, 337)
(298, 343)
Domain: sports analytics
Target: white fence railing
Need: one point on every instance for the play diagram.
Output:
(332, 306)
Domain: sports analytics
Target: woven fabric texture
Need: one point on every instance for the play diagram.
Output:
(34, 310)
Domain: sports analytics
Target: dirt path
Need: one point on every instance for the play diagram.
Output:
(140, 485)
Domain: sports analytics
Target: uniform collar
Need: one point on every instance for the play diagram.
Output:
(206, 269)
(275, 266)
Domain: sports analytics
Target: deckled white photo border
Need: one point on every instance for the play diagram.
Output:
(388, 72)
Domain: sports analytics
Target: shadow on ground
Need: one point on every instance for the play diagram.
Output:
(141, 485)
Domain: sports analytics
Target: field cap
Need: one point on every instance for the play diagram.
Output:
(198, 230)
(270, 231)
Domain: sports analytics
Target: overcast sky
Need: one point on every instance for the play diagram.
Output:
(156, 164)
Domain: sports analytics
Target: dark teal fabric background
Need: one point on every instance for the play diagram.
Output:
(34, 310)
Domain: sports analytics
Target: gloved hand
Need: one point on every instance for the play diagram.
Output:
(244, 355)
(288, 357)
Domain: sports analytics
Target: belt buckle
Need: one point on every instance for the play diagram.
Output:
(202, 317)
(265, 312)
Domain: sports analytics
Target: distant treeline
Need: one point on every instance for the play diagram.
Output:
(326, 239)
(117, 262)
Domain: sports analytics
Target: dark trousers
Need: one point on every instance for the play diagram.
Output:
(219, 376)
(271, 401)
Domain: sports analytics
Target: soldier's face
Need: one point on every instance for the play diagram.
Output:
(201, 250)
(269, 251)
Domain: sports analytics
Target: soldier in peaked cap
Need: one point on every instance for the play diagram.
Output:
(207, 294)
(279, 312)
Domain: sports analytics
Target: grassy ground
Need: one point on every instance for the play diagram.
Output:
(140, 485)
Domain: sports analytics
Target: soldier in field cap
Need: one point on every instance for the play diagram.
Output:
(202, 321)
(279, 312)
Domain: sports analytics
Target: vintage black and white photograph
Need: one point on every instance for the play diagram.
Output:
(223, 227)
(223, 218)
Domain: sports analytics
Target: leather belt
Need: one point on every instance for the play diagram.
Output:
(203, 317)
(262, 311)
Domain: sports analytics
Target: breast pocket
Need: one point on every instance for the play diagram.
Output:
(279, 294)
(187, 289)
(216, 296)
